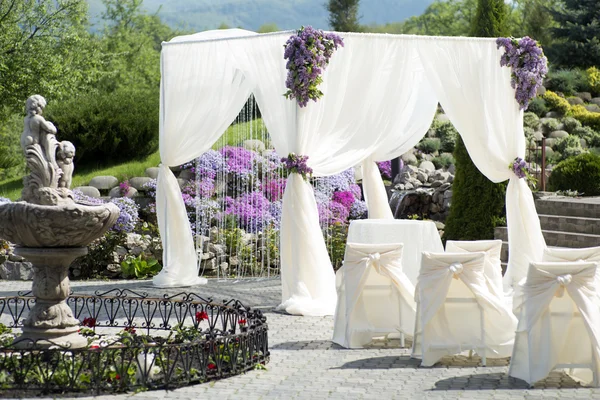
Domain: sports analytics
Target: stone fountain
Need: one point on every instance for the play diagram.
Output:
(50, 229)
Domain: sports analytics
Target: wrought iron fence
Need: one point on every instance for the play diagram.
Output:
(182, 339)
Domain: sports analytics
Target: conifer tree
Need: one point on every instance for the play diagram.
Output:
(343, 15)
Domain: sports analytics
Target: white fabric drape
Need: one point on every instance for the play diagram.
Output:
(444, 329)
(387, 306)
(549, 333)
(492, 249)
(476, 95)
(201, 94)
(365, 86)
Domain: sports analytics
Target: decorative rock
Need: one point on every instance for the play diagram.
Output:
(434, 208)
(451, 179)
(208, 265)
(448, 194)
(234, 261)
(427, 166)
(207, 255)
(181, 182)
(593, 108)
(186, 174)
(213, 234)
(422, 176)
(116, 192)
(439, 225)
(89, 191)
(583, 143)
(114, 269)
(552, 114)
(537, 135)
(445, 186)
(408, 186)
(104, 182)
(436, 183)
(585, 96)
(452, 169)
(16, 271)
(559, 134)
(409, 158)
(139, 182)
(224, 267)
(254, 145)
(596, 101)
(152, 172)
(121, 251)
(575, 101)
(550, 142)
(541, 91)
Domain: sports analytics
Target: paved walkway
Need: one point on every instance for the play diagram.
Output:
(306, 365)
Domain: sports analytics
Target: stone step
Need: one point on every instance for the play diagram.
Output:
(570, 224)
(553, 239)
(574, 207)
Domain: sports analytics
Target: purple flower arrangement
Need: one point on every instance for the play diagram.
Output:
(308, 53)
(529, 66)
(520, 168)
(297, 164)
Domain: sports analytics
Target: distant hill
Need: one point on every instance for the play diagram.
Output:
(199, 15)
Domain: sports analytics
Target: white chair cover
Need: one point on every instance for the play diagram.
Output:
(446, 325)
(557, 330)
(558, 254)
(492, 248)
(375, 298)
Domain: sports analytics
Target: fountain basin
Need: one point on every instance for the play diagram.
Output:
(68, 225)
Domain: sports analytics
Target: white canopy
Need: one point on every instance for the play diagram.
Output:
(381, 93)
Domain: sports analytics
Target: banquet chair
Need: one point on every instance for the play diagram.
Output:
(559, 323)
(375, 298)
(457, 311)
(562, 254)
(492, 266)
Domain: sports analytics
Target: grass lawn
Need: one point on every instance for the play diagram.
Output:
(12, 188)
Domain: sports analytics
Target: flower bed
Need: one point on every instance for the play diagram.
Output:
(134, 343)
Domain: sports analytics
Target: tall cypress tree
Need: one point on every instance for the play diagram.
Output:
(578, 35)
(477, 202)
(343, 15)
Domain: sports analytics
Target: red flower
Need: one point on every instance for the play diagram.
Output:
(130, 329)
(117, 377)
(95, 346)
(201, 316)
(242, 322)
(211, 366)
(89, 322)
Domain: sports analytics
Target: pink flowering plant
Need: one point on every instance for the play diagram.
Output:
(308, 53)
(529, 66)
(297, 164)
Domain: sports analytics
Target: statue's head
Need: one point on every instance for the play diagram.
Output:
(35, 104)
(66, 150)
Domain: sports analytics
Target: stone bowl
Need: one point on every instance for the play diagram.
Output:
(69, 225)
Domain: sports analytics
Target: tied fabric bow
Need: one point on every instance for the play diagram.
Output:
(456, 269)
(374, 260)
(564, 281)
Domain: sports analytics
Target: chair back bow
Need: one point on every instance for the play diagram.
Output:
(563, 281)
(456, 269)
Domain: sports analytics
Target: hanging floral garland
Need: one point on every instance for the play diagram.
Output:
(529, 66)
(308, 53)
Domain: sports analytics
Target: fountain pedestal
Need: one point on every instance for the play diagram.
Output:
(51, 321)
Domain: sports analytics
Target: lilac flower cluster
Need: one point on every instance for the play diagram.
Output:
(297, 164)
(211, 163)
(385, 169)
(519, 167)
(79, 197)
(308, 53)
(529, 66)
(128, 217)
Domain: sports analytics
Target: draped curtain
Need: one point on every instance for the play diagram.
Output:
(476, 95)
(201, 94)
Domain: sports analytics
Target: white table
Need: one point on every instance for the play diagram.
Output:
(417, 236)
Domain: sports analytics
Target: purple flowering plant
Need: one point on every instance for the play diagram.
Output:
(308, 53)
(297, 164)
(529, 66)
(385, 169)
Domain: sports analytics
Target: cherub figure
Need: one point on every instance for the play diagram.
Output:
(64, 159)
(36, 127)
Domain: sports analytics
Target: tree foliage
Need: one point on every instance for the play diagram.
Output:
(343, 15)
(577, 35)
(477, 202)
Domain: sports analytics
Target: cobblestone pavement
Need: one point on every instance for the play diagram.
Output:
(306, 365)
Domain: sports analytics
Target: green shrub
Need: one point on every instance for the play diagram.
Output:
(572, 152)
(549, 125)
(139, 267)
(447, 134)
(567, 142)
(444, 160)
(531, 120)
(586, 117)
(581, 173)
(429, 145)
(538, 106)
(109, 127)
(593, 140)
(529, 133)
(567, 82)
(584, 132)
(593, 75)
(477, 202)
(556, 103)
(571, 124)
